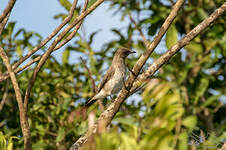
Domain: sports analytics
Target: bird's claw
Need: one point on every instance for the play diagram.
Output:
(132, 72)
(126, 87)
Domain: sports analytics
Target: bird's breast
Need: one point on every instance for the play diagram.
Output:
(116, 83)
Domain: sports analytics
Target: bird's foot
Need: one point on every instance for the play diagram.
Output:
(126, 87)
(133, 73)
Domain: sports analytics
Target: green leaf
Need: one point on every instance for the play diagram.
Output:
(18, 32)
(183, 141)
(91, 2)
(127, 121)
(92, 36)
(190, 122)
(210, 100)
(128, 142)
(201, 88)
(19, 50)
(61, 16)
(2, 141)
(194, 47)
(171, 36)
(66, 4)
(10, 27)
(60, 134)
(65, 56)
(10, 144)
(202, 14)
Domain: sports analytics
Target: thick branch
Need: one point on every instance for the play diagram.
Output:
(23, 118)
(180, 44)
(106, 117)
(158, 37)
(7, 10)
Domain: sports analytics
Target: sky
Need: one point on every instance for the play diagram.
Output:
(37, 15)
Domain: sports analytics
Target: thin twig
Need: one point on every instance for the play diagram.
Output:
(95, 90)
(78, 20)
(17, 70)
(45, 55)
(52, 46)
(7, 10)
(146, 42)
(5, 95)
(72, 34)
(55, 31)
(23, 117)
(90, 75)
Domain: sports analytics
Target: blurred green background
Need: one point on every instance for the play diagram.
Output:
(182, 107)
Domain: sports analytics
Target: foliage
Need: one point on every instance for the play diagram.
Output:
(6, 143)
(183, 101)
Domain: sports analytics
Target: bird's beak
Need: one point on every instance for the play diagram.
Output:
(132, 52)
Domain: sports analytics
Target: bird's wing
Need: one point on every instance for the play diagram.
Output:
(110, 73)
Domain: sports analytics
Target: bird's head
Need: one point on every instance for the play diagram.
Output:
(123, 52)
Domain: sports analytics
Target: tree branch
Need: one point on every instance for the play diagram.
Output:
(23, 118)
(7, 10)
(75, 30)
(90, 75)
(3, 23)
(5, 95)
(146, 42)
(77, 21)
(95, 90)
(107, 116)
(181, 43)
(17, 70)
(55, 31)
(45, 56)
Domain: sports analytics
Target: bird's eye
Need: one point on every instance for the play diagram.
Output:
(127, 52)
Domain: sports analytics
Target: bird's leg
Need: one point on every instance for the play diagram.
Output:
(132, 72)
(125, 85)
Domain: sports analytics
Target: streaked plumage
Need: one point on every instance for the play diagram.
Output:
(113, 80)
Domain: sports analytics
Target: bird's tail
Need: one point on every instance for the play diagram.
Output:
(90, 102)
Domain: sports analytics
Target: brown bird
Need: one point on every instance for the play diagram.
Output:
(114, 79)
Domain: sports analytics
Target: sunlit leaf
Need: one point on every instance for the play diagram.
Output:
(194, 47)
(91, 2)
(2, 141)
(60, 134)
(66, 4)
(190, 122)
(65, 56)
(210, 100)
(171, 36)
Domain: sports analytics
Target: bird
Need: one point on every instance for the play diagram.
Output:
(114, 78)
